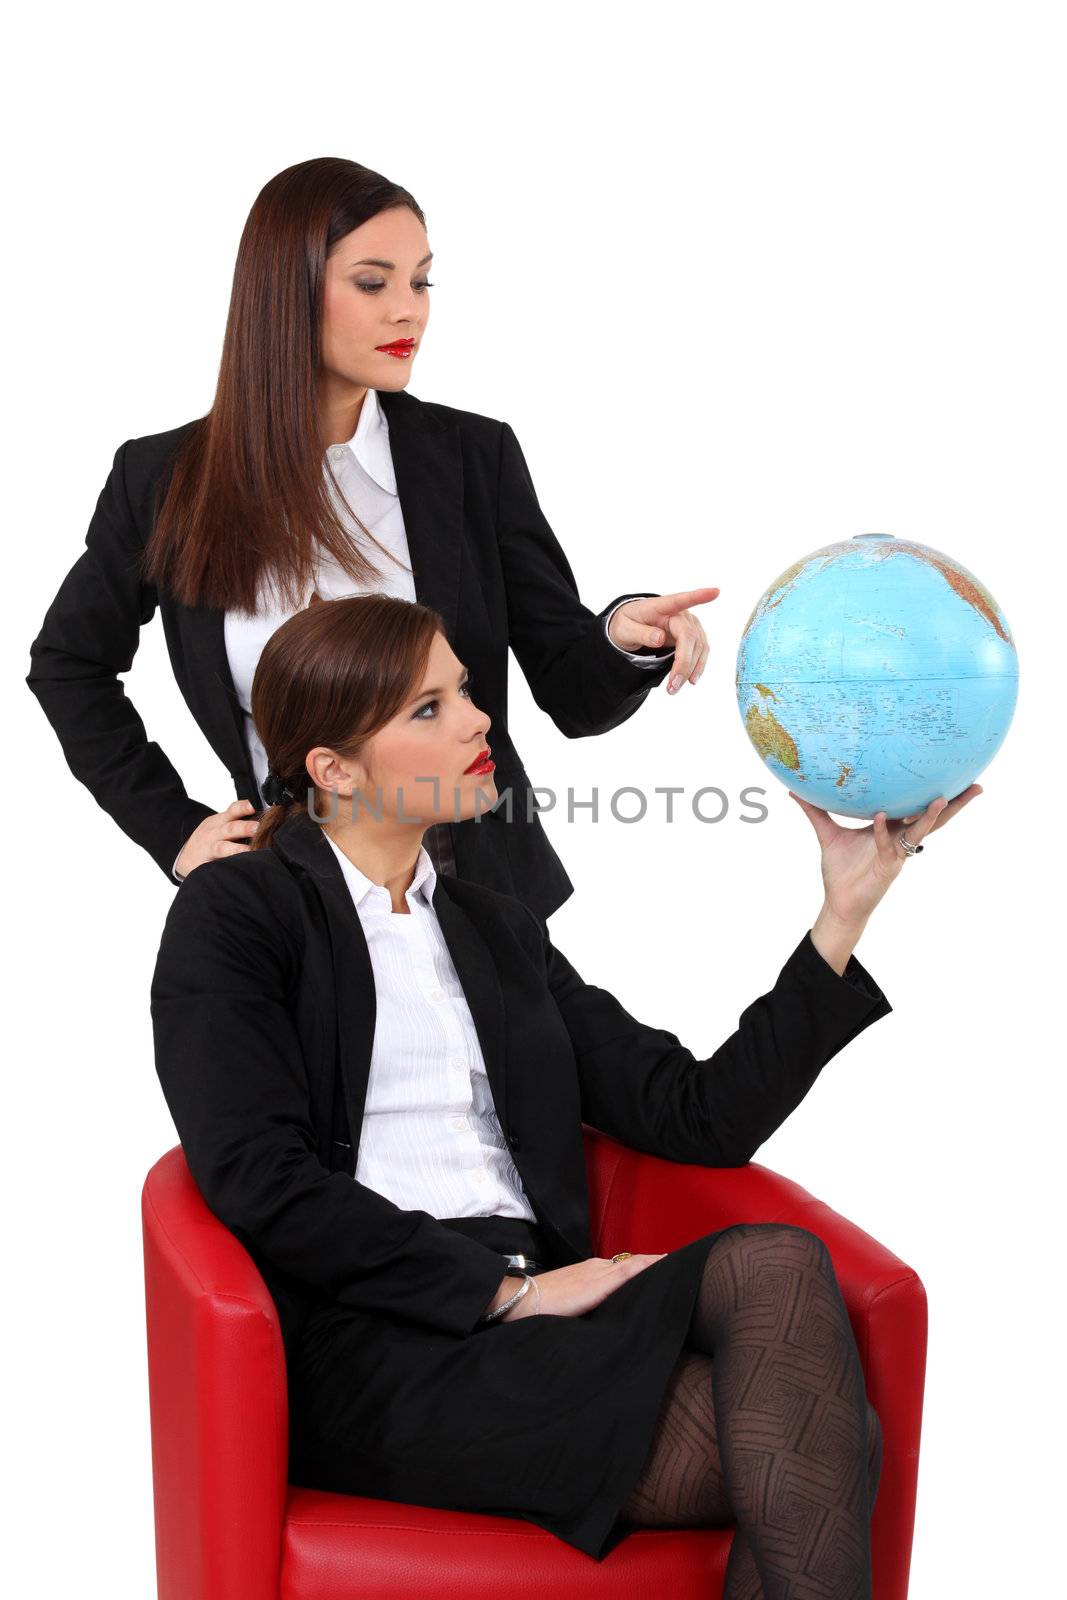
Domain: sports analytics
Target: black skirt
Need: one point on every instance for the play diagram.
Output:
(546, 1418)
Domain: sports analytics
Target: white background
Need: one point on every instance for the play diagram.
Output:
(743, 282)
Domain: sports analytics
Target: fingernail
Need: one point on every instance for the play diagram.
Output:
(674, 684)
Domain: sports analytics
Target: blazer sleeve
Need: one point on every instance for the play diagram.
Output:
(89, 635)
(230, 1062)
(643, 1087)
(584, 682)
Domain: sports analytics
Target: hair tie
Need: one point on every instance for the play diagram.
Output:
(275, 792)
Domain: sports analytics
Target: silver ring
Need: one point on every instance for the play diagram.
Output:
(909, 848)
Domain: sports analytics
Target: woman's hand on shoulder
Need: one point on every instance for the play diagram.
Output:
(218, 835)
(572, 1291)
(859, 864)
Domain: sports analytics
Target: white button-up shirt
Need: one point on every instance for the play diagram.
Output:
(431, 1140)
(364, 471)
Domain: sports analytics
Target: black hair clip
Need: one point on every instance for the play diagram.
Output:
(275, 792)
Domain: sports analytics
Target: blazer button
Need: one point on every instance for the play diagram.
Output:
(513, 1140)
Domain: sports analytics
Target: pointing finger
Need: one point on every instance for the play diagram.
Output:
(683, 600)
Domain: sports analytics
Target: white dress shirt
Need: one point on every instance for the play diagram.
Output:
(430, 1140)
(364, 470)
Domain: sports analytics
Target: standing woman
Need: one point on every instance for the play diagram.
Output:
(314, 476)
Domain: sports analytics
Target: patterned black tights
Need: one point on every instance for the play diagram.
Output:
(766, 1423)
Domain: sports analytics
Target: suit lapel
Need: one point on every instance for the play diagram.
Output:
(221, 715)
(301, 840)
(481, 985)
(428, 463)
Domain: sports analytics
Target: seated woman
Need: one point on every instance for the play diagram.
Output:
(379, 1077)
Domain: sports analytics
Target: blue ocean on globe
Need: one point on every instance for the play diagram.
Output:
(875, 675)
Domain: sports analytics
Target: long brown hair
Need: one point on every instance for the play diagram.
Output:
(246, 496)
(334, 675)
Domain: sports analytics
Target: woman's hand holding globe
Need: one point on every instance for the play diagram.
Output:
(859, 864)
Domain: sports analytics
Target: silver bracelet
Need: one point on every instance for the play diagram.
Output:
(491, 1316)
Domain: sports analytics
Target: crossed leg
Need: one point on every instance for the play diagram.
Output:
(766, 1423)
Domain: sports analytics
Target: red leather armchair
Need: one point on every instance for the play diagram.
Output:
(229, 1526)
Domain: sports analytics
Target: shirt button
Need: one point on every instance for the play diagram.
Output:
(437, 994)
(459, 1122)
(338, 450)
(455, 1062)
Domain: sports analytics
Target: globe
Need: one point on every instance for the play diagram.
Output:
(875, 675)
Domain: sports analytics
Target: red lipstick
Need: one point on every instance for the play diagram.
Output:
(401, 348)
(481, 763)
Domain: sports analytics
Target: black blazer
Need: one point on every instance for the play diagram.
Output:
(482, 555)
(263, 1012)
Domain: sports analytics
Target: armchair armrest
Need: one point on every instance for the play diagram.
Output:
(218, 1399)
(641, 1203)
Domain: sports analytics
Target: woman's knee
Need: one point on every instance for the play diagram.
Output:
(779, 1242)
